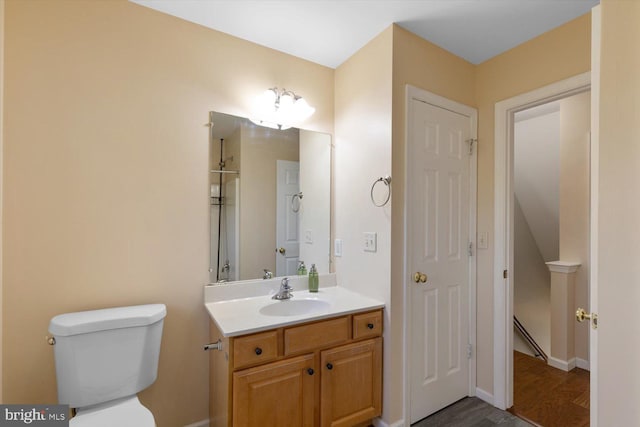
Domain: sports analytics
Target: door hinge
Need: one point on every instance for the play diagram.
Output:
(471, 142)
(470, 249)
(505, 274)
(469, 351)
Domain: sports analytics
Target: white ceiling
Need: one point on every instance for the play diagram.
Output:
(328, 32)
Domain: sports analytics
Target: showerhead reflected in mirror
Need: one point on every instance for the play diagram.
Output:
(270, 200)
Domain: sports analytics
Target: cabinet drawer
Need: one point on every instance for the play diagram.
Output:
(367, 325)
(316, 335)
(254, 349)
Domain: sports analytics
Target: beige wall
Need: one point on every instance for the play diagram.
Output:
(260, 148)
(360, 110)
(422, 64)
(531, 284)
(556, 55)
(575, 122)
(536, 176)
(362, 154)
(106, 177)
(106, 171)
(618, 336)
(315, 185)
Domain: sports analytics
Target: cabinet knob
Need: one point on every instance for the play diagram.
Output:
(310, 371)
(258, 351)
(329, 366)
(370, 325)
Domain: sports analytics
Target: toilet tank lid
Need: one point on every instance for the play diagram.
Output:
(84, 322)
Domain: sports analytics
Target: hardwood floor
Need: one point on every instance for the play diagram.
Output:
(547, 396)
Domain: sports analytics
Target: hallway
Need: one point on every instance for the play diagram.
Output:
(547, 396)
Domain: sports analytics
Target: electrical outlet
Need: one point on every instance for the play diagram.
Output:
(337, 247)
(370, 242)
(308, 236)
(483, 240)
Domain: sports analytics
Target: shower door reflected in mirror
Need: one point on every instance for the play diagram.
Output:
(257, 224)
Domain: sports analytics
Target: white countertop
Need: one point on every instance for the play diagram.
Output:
(235, 308)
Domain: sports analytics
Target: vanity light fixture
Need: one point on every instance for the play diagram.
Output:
(280, 109)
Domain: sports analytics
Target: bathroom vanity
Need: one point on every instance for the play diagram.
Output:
(309, 364)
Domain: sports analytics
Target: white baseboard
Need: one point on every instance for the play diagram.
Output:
(565, 365)
(483, 395)
(379, 422)
(583, 364)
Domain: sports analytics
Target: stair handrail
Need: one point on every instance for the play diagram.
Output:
(529, 339)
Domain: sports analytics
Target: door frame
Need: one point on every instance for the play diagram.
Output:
(411, 93)
(503, 225)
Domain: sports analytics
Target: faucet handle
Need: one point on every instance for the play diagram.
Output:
(285, 283)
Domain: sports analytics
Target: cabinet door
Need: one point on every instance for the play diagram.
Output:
(351, 383)
(276, 394)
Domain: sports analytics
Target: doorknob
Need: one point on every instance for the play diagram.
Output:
(281, 250)
(581, 315)
(419, 277)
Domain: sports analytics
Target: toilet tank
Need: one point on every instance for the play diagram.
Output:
(101, 355)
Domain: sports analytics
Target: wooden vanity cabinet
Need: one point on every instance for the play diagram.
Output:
(324, 373)
(279, 394)
(351, 383)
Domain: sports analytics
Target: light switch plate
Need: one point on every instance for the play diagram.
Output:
(483, 240)
(337, 247)
(370, 242)
(308, 236)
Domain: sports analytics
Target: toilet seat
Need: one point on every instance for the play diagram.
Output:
(127, 412)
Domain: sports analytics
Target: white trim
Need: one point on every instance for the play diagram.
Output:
(583, 364)
(473, 262)
(379, 422)
(412, 92)
(484, 395)
(563, 266)
(203, 423)
(596, 22)
(503, 225)
(564, 365)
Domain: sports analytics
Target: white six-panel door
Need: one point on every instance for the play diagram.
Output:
(438, 192)
(287, 227)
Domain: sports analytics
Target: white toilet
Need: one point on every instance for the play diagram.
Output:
(103, 358)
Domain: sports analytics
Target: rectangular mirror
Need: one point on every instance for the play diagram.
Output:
(270, 200)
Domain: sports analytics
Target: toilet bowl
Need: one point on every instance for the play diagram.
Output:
(103, 359)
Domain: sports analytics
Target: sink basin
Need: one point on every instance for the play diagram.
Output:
(294, 307)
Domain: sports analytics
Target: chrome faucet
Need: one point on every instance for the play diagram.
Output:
(285, 290)
(267, 274)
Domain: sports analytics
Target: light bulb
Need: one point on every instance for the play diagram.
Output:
(286, 102)
(269, 97)
(302, 110)
(280, 110)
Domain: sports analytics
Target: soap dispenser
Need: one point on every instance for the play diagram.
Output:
(302, 269)
(313, 279)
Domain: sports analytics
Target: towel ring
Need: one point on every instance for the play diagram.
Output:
(299, 197)
(387, 181)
